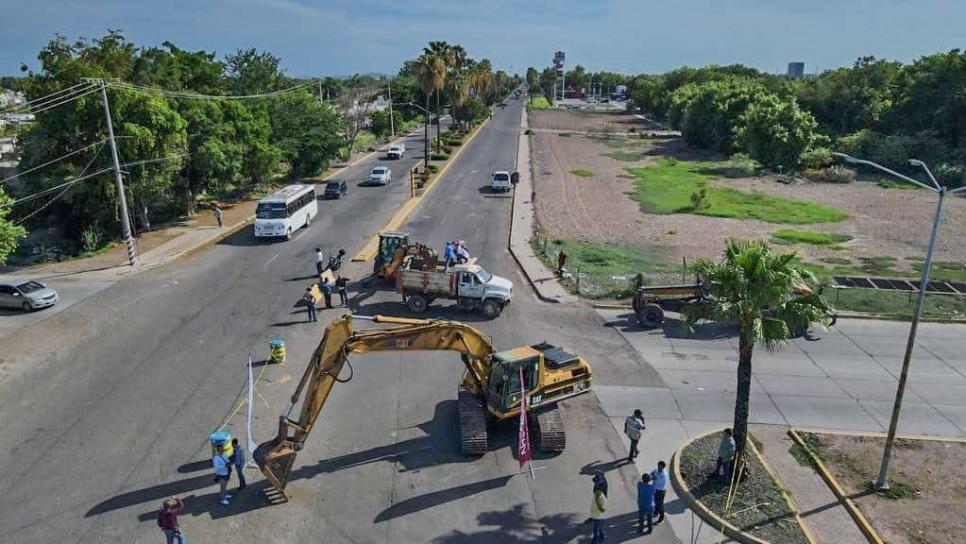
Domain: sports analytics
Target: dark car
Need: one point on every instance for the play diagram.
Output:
(336, 188)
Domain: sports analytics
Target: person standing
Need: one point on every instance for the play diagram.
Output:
(598, 505)
(726, 453)
(561, 262)
(218, 217)
(340, 283)
(660, 479)
(319, 261)
(309, 299)
(600, 481)
(645, 504)
(238, 459)
(450, 254)
(222, 466)
(168, 520)
(633, 426)
(327, 292)
(462, 255)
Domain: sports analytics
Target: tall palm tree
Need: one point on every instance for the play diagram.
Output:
(443, 52)
(431, 72)
(768, 296)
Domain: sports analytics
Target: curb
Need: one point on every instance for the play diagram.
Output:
(784, 492)
(714, 520)
(879, 317)
(863, 524)
(529, 279)
(372, 245)
(872, 434)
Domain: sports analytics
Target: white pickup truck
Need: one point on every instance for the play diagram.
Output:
(472, 287)
(396, 151)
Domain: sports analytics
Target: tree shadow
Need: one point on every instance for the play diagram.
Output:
(244, 238)
(516, 525)
(705, 330)
(436, 498)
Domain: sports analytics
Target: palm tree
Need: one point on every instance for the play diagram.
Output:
(430, 77)
(768, 296)
(443, 52)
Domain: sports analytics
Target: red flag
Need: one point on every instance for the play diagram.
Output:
(523, 438)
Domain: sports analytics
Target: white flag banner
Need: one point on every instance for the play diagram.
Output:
(251, 402)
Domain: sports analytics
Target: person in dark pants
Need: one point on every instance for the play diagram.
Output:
(340, 283)
(645, 504)
(218, 217)
(659, 478)
(726, 454)
(561, 262)
(238, 459)
(633, 426)
(309, 300)
(598, 506)
(319, 261)
(168, 520)
(326, 292)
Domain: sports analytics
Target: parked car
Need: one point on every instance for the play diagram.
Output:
(27, 295)
(500, 182)
(381, 175)
(336, 188)
(396, 151)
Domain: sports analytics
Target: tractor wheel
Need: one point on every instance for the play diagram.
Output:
(417, 304)
(491, 309)
(650, 316)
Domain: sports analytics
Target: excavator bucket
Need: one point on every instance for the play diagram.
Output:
(276, 457)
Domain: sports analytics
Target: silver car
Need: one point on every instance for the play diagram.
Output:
(26, 295)
(380, 175)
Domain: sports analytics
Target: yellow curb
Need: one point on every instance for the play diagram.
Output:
(224, 233)
(863, 524)
(371, 246)
(788, 499)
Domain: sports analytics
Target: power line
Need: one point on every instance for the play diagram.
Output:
(62, 185)
(56, 95)
(66, 100)
(67, 188)
(48, 163)
(184, 94)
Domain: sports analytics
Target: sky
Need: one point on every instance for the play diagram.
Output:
(341, 37)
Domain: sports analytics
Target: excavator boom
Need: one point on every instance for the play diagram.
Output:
(276, 457)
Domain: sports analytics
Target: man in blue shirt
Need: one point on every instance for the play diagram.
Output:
(659, 478)
(222, 466)
(645, 504)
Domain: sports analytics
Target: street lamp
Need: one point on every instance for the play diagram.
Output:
(881, 482)
(425, 132)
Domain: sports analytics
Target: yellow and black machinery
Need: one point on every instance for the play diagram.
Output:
(490, 389)
(394, 248)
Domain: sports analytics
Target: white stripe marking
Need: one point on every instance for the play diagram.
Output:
(273, 258)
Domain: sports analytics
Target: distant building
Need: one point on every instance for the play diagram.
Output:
(796, 70)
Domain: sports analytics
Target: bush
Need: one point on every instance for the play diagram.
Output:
(819, 157)
(739, 165)
(439, 156)
(832, 174)
(433, 168)
(454, 142)
(91, 238)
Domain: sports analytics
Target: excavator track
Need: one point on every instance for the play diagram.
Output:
(474, 439)
(550, 433)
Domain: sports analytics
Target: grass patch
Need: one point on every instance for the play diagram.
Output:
(606, 269)
(582, 172)
(668, 186)
(758, 507)
(896, 304)
(539, 102)
(626, 156)
(564, 135)
(793, 236)
(840, 261)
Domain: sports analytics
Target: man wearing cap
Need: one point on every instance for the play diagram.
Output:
(222, 466)
(633, 426)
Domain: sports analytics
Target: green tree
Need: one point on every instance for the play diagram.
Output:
(250, 71)
(306, 131)
(10, 233)
(714, 112)
(533, 79)
(776, 131)
(767, 296)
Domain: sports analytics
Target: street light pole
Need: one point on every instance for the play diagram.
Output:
(881, 482)
(425, 132)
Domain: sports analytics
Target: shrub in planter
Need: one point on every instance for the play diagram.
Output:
(439, 156)
(433, 168)
(832, 174)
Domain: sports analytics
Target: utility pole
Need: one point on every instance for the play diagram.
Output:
(392, 122)
(125, 220)
(320, 92)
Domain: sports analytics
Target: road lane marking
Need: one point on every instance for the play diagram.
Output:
(273, 258)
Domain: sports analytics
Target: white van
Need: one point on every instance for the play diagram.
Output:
(285, 212)
(500, 183)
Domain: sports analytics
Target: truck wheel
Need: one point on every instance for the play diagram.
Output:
(288, 235)
(650, 316)
(417, 304)
(491, 309)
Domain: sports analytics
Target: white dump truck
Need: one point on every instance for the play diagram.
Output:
(473, 288)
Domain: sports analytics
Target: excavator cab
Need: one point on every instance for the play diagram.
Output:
(503, 387)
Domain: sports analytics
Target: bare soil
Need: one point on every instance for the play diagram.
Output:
(882, 222)
(587, 121)
(931, 511)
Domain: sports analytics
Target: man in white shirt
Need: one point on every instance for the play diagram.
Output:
(222, 466)
(659, 479)
(633, 426)
(319, 261)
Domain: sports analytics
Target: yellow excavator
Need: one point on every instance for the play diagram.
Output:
(490, 388)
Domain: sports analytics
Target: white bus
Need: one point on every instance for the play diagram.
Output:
(285, 212)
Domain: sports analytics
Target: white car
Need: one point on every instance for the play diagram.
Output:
(396, 151)
(27, 295)
(380, 175)
(500, 183)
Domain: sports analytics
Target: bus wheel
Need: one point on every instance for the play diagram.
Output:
(308, 220)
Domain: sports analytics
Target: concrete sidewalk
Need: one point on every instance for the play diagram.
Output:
(543, 280)
(826, 518)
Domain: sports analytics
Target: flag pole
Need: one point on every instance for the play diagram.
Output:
(251, 394)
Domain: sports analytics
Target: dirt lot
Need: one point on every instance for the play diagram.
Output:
(587, 121)
(883, 222)
(931, 510)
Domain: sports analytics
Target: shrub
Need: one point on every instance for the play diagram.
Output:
(832, 174)
(433, 168)
(819, 157)
(454, 142)
(439, 156)
(739, 165)
(91, 238)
